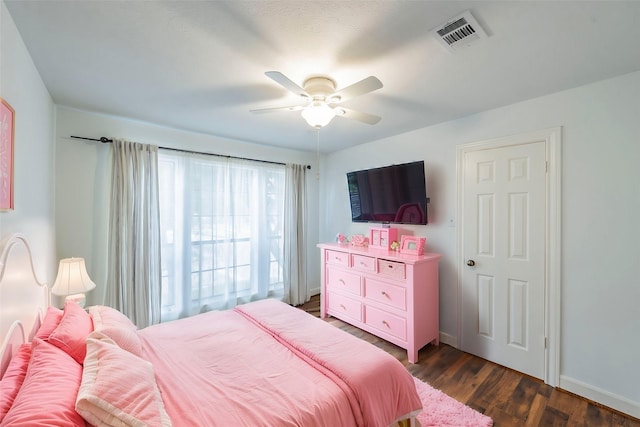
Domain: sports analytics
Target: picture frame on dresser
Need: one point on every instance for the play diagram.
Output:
(412, 245)
(382, 237)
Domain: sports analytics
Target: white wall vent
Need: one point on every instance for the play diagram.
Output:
(459, 32)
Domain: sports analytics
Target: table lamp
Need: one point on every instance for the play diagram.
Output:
(72, 280)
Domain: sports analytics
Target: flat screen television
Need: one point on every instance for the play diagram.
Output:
(392, 194)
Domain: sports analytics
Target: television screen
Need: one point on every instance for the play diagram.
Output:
(391, 194)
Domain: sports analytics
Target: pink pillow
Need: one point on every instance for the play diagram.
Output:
(116, 326)
(48, 395)
(51, 321)
(71, 333)
(13, 378)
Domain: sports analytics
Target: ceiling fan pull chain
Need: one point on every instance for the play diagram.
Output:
(318, 154)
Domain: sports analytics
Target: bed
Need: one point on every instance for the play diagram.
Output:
(261, 364)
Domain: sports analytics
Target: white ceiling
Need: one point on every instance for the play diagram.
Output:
(199, 65)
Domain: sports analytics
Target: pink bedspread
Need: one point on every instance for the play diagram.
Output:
(269, 364)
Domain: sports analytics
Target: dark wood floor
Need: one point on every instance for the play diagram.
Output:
(508, 397)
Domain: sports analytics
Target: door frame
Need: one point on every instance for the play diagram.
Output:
(553, 151)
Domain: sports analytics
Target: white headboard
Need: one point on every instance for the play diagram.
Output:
(23, 297)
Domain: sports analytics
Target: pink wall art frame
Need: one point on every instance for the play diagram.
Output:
(7, 130)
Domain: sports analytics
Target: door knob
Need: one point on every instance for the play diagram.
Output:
(471, 263)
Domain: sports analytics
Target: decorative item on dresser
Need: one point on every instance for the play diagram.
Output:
(412, 245)
(382, 238)
(393, 296)
(359, 240)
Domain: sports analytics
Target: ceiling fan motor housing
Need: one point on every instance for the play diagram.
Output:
(319, 88)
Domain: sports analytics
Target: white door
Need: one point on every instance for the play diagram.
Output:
(503, 278)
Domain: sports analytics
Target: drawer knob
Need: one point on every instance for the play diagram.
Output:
(385, 323)
(341, 281)
(384, 294)
(343, 307)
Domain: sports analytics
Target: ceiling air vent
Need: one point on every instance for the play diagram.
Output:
(459, 32)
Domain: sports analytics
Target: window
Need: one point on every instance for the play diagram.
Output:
(221, 231)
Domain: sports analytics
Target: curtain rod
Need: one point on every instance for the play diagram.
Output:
(106, 140)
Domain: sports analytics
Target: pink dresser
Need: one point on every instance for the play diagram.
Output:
(391, 295)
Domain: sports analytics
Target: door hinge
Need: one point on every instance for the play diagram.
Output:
(545, 342)
(546, 166)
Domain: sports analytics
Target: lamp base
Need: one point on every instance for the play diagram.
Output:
(80, 299)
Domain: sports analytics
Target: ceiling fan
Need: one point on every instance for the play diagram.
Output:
(322, 100)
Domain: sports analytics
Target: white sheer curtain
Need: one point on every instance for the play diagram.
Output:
(133, 283)
(295, 222)
(222, 232)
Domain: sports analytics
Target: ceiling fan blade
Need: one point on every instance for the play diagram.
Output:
(358, 115)
(276, 109)
(285, 82)
(367, 85)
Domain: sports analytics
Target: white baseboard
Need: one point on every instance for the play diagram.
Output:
(601, 396)
(449, 339)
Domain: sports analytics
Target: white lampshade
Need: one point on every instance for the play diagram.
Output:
(318, 114)
(72, 279)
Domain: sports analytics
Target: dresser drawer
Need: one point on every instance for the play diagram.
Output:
(363, 263)
(339, 305)
(395, 296)
(343, 281)
(386, 322)
(337, 258)
(391, 268)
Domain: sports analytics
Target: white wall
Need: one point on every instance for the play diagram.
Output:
(83, 176)
(22, 87)
(600, 285)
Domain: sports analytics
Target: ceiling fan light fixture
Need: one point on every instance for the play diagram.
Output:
(318, 114)
(321, 98)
